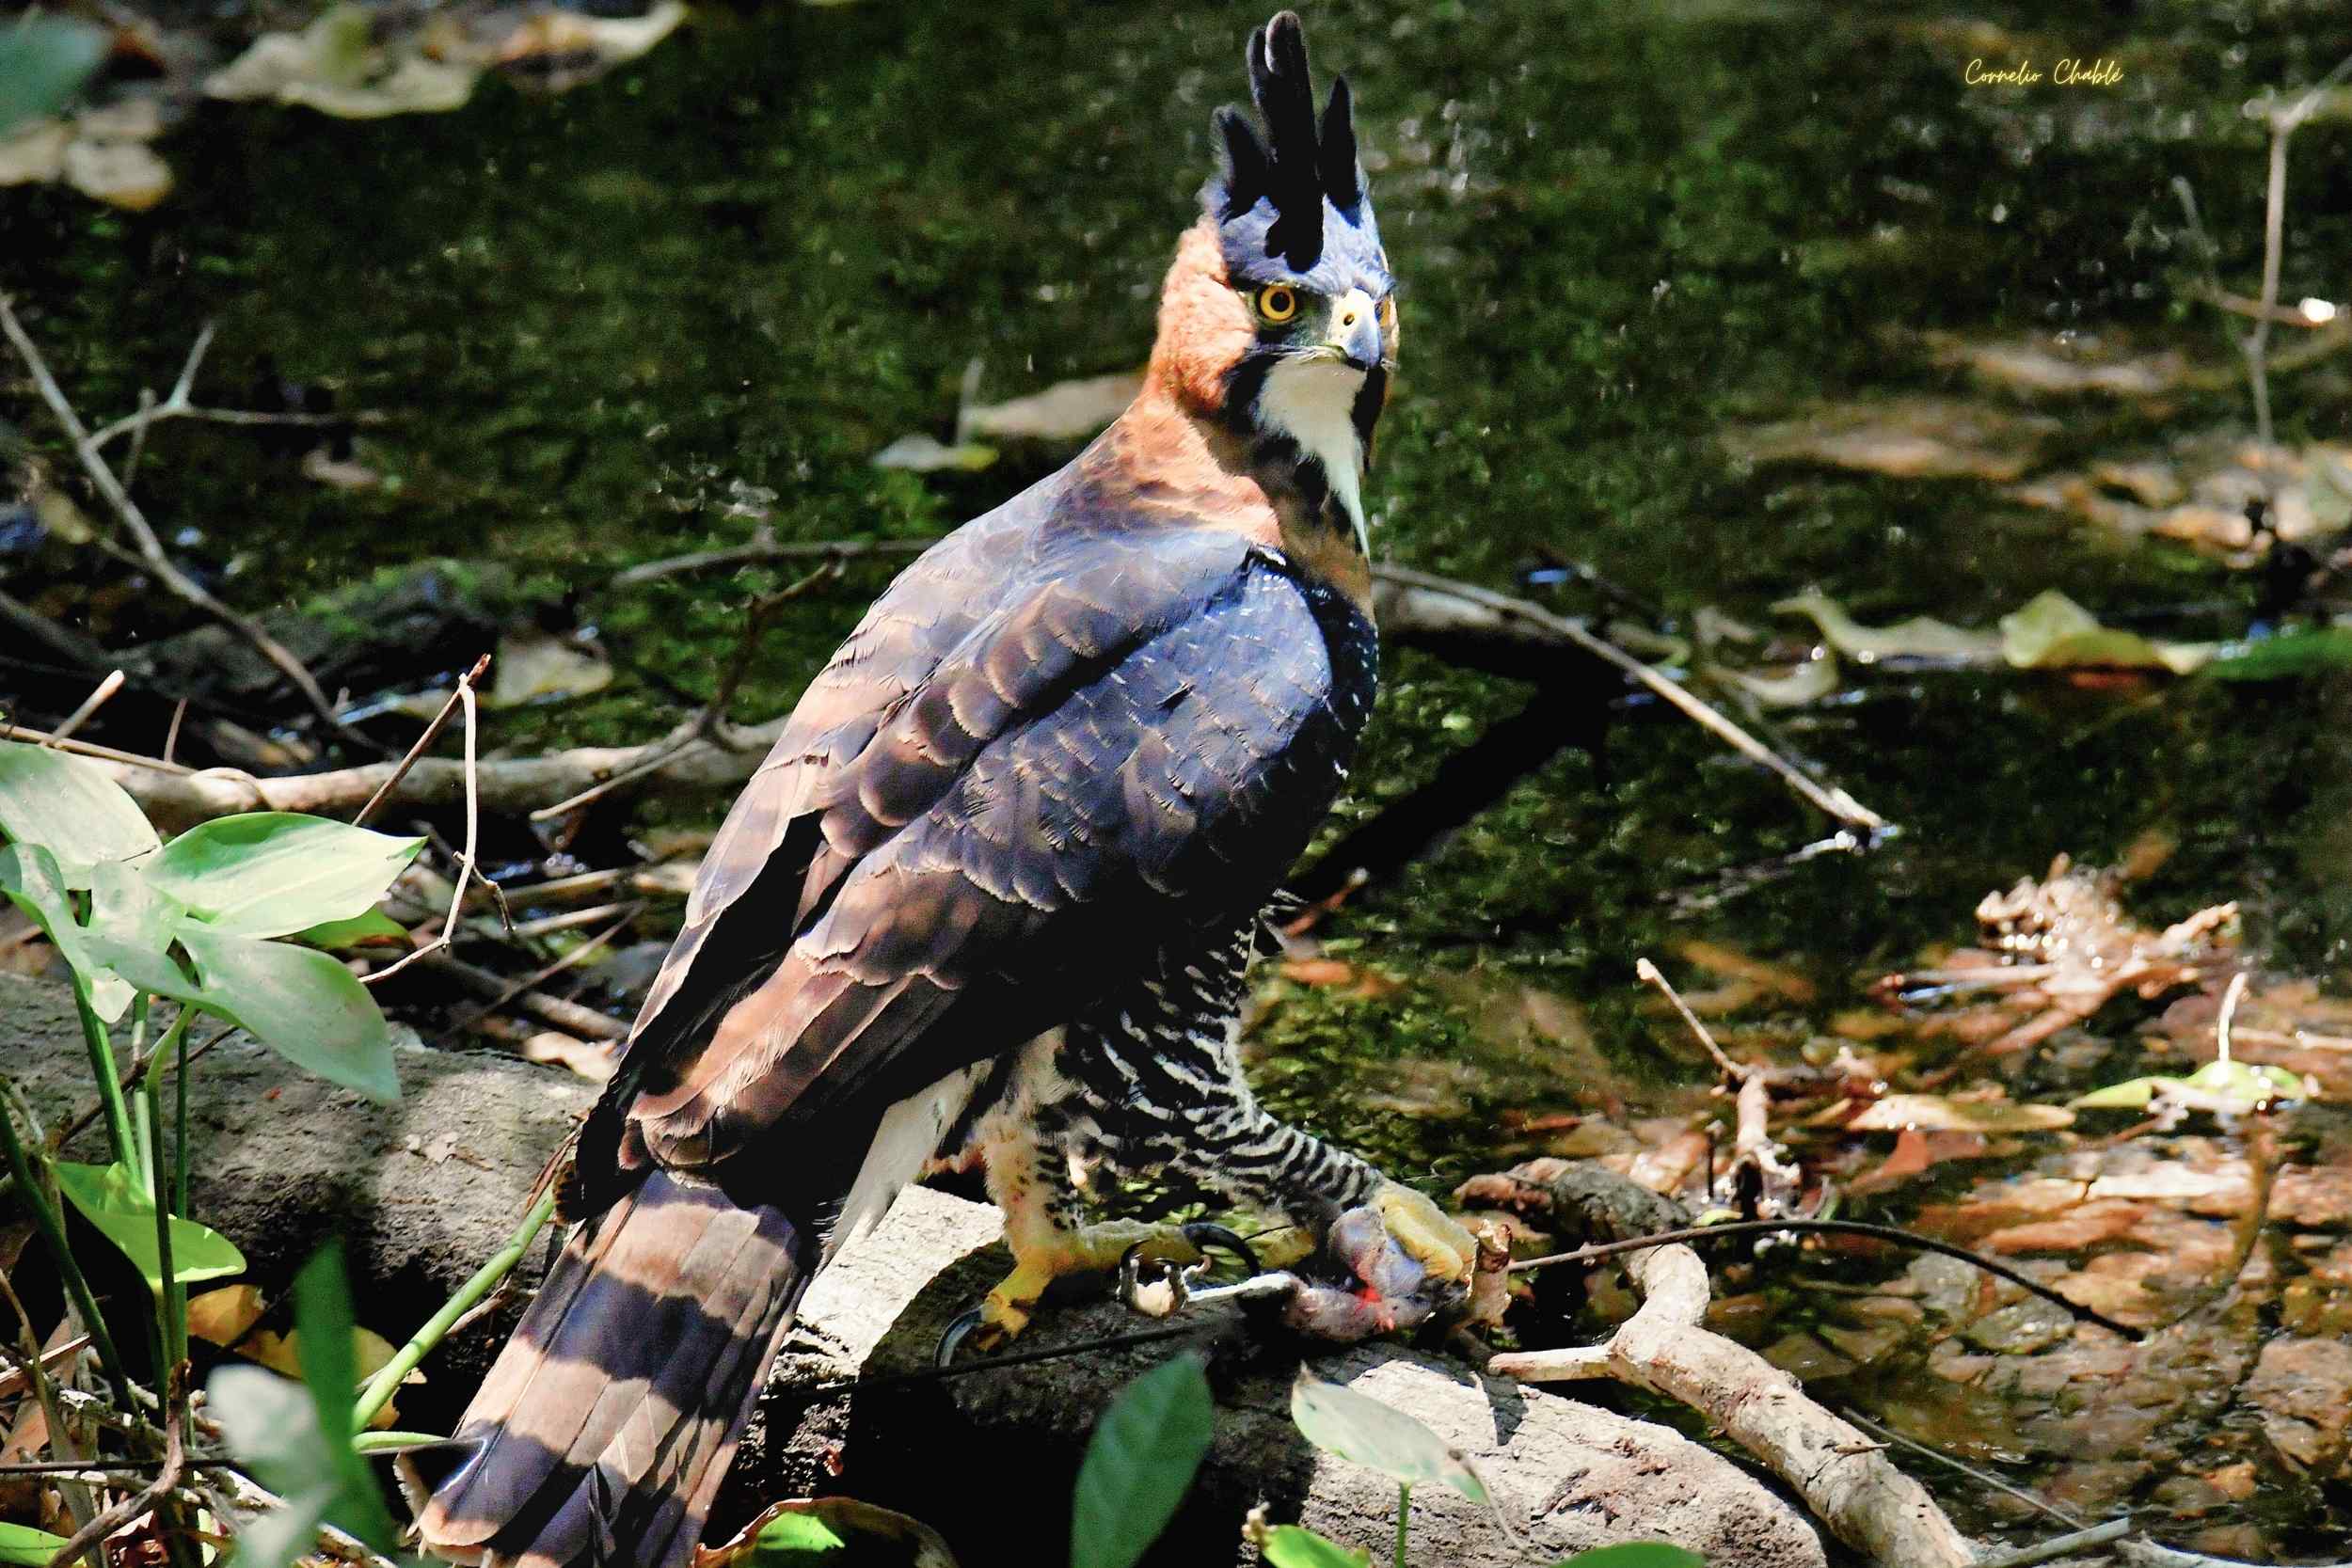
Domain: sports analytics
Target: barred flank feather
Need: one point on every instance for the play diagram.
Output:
(610, 1416)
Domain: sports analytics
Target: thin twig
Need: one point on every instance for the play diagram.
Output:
(91, 704)
(539, 977)
(1731, 1070)
(1982, 1478)
(759, 550)
(87, 1539)
(149, 547)
(424, 744)
(1732, 1228)
(2059, 1547)
(2230, 1000)
(171, 736)
(89, 749)
(464, 696)
(1830, 801)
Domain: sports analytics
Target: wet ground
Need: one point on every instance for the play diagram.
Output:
(772, 247)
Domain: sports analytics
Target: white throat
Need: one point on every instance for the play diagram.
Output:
(1313, 403)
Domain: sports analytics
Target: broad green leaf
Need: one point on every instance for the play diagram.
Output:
(270, 872)
(296, 1436)
(1139, 1464)
(24, 1545)
(128, 907)
(67, 802)
(335, 935)
(1297, 1546)
(1355, 1426)
(1636, 1554)
(43, 62)
(124, 1211)
(299, 1002)
(831, 1532)
(31, 880)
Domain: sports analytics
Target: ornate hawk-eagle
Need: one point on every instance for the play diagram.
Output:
(994, 892)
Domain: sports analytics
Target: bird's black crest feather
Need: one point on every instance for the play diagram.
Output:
(1298, 165)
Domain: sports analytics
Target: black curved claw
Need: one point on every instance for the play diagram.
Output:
(1207, 1238)
(951, 1338)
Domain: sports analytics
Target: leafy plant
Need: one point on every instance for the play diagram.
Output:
(1139, 1464)
(296, 1437)
(197, 921)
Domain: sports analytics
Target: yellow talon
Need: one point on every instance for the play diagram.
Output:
(1095, 1249)
(1427, 1233)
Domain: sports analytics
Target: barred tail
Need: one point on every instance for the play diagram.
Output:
(610, 1416)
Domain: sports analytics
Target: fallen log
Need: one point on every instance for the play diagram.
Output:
(424, 1190)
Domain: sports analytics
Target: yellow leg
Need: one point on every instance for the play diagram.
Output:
(1043, 1230)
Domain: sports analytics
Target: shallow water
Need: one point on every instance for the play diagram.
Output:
(774, 245)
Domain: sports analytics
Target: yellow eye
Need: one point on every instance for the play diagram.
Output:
(1277, 304)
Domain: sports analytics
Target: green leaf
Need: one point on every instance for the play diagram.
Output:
(296, 1436)
(1636, 1554)
(31, 878)
(70, 804)
(271, 873)
(831, 1532)
(2301, 651)
(2052, 631)
(372, 927)
(1297, 1546)
(1139, 1464)
(114, 1200)
(43, 62)
(2232, 1087)
(1355, 1426)
(302, 1004)
(127, 907)
(24, 1545)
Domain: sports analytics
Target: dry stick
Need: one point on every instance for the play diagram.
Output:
(179, 406)
(150, 548)
(2283, 126)
(89, 1537)
(533, 981)
(1837, 1227)
(90, 705)
(464, 697)
(2147, 1554)
(91, 748)
(1982, 1478)
(2059, 1547)
(424, 743)
(1648, 972)
(1831, 802)
(764, 550)
(171, 736)
(584, 1022)
(711, 725)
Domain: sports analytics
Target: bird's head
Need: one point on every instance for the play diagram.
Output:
(1278, 318)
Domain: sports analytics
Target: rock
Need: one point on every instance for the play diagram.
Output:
(424, 1190)
(2303, 1387)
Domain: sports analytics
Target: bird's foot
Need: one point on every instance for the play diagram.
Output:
(1398, 1258)
(1431, 1237)
(1117, 1247)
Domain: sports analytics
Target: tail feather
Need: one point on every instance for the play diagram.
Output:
(608, 1421)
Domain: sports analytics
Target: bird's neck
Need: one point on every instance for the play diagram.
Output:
(1167, 451)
